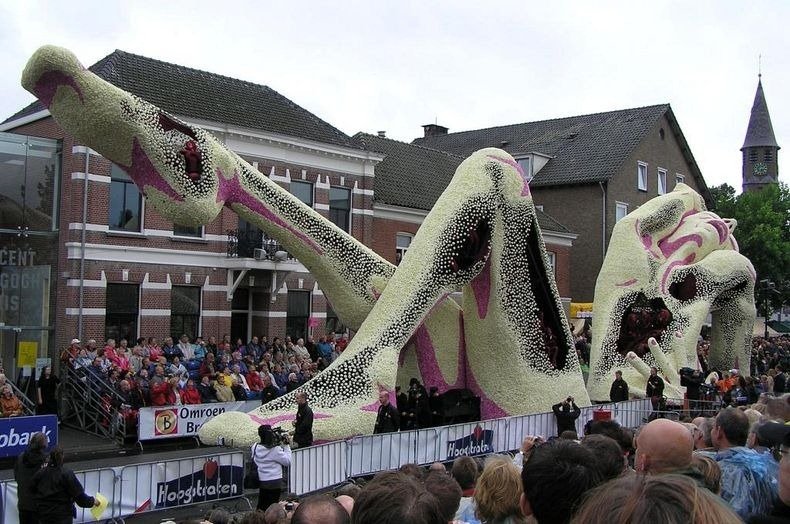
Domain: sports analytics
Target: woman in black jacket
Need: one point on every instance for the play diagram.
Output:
(56, 490)
(27, 464)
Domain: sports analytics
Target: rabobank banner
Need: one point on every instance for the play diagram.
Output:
(15, 433)
(184, 421)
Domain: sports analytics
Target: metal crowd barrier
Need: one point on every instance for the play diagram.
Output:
(320, 467)
(152, 486)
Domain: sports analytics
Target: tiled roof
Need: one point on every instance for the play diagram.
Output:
(197, 94)
(760, 131)
(414, 176)
(585, 149)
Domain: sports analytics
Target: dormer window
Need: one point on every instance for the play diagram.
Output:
(526, 166)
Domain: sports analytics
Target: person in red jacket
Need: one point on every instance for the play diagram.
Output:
(209, 367)
(254, 381)
(190, 394)
(162, 393)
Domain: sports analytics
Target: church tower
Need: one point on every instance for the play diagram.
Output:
(760, 150)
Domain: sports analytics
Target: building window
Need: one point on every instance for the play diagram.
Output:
(768, 155)
(662, 181)
(526, 166)
(641, 176)
(298, 314)
(126, 204)
(402, 243)
(752, 155)
(553, 262)
(187, 231)
(303, 191)
(679, 179)
(620, 211)
(184, 311)
(333, 324)
(122, 311)
(340, 207)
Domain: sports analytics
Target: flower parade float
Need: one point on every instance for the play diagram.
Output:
(669, 264)
(508, 340)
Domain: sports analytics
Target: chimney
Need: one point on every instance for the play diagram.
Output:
(382, 134)
(434, 130)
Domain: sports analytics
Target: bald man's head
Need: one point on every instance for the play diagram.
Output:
(664, 446)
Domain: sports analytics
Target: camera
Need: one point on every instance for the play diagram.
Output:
(569, 400)
(280, 436)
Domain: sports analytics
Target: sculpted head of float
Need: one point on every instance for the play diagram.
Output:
(172, 162)
(670, 263)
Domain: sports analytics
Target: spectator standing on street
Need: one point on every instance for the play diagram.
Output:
(56, 490)
(566, 413)
(654, 390)
(270, 457)
(388, 419)
(46, 388)
(303, 425)
(619, 389)
(27, 464)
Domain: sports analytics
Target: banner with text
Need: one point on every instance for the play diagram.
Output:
(15, 433)
(152, 486)
(184, 421)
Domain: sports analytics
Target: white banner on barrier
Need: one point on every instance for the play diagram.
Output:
(184, 421)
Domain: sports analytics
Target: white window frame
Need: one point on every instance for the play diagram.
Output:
(526, 166)
(400, 250)
(641, 176)
(620, 207)
(553, 263)
(680, 179)
(199, 236)
(662, 181)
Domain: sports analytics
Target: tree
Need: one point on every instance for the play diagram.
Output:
(763, 233)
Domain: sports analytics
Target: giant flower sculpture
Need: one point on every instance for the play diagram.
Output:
(670, 263)
(508, 340)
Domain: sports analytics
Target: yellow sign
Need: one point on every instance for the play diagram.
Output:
(98, 511)
(26, 356)
(581, 309)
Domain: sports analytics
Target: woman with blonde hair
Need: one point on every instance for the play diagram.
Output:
(497, 493)
(669, 499)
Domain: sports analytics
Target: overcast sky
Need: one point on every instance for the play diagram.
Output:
(393, 66)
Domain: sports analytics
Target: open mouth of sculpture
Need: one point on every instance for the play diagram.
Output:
(553, 336)
(641, 320)
(190, 152)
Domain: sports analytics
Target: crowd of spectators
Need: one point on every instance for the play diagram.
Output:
(145, 373)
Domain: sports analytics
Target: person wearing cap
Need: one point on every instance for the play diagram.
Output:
(270, 457)
(70, 353)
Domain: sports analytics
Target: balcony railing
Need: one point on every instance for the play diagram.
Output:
(254, 244)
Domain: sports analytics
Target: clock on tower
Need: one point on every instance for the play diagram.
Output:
(760, 169)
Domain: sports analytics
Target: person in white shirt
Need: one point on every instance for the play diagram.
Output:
(186, 348)
(270, 457)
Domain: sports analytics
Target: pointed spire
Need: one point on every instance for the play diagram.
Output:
(760, 132)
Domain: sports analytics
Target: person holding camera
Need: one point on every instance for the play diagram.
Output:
(270, 455)
(566, 413)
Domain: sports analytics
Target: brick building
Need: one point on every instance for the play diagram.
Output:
(589, 171)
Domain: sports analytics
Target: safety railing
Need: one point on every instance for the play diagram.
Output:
(90, 405)
(151, 486)
(28, 405)
(320, 467)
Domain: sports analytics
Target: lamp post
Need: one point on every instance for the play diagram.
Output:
(766, 286)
